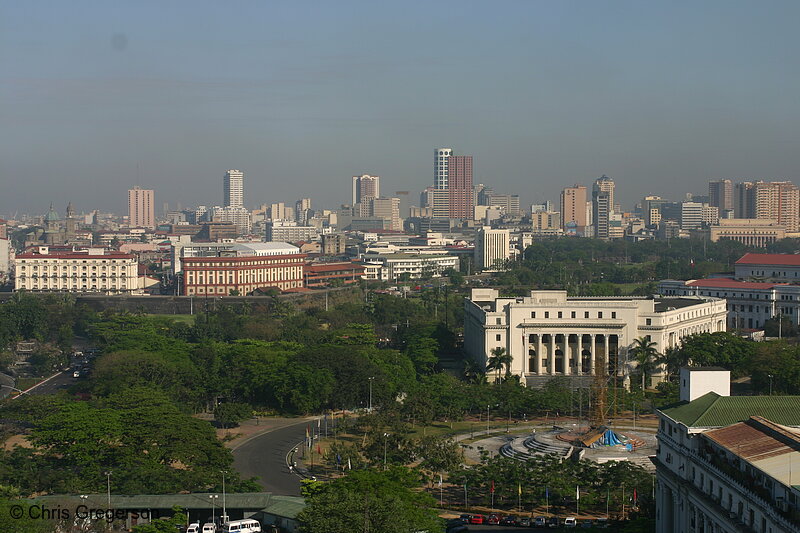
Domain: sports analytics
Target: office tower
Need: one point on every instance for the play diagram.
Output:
(482, 195)
(743, 201)
(491, 248)
(651, 209)
(509, 202)
(141, 212)
(547, 206)
(691, 215)
(387, 209)
(364, 187)
(437, 200)
(459, 178)
(233, 185)
(441, 157)
(573, 206)
(602, 205)
(720, 194)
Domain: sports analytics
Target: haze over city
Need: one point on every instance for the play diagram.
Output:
(662, 98)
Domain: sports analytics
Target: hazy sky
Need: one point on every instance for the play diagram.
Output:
(661, 96)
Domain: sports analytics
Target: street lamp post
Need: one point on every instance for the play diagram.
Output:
(213, 507)
(224, 507)
(108, 487)
(370, 392)
(770, 383)
(487, 419)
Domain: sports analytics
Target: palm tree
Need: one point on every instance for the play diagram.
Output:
(645, 353)
(673, 360)
(499, 360)
(473, 372)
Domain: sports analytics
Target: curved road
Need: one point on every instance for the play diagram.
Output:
(264, 457)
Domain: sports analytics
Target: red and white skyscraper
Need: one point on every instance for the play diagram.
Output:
(141, 213)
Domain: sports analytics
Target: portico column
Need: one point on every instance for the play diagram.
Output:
(538, 364)
(592, 355)
(565, 350)
(552, 355)
(608, 355)
(525, 354)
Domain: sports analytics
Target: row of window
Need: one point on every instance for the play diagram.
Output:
(573, 314)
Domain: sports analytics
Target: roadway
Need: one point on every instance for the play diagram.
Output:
(264, 457)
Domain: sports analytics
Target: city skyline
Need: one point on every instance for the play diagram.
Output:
(106, 97)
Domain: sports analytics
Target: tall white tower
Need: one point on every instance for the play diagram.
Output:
(233, 183)
(441, 175)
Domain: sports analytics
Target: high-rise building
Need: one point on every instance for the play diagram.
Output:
(387, 209)
(141, 213)
(302, 211)
(602, 205)
(233, 185)
(460, 186)
(774, 200)
(492, 247)
(509, 202)
(365, 187)
(720, 194)
(441, 159)
(651, 210)
(573, 206)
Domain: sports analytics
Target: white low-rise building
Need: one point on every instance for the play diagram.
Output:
(91, 270)
(549, 334)
(402, 266)
(725, 463)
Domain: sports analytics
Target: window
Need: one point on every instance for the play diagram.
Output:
(497, 337)
(498, 321)
(560, 314)
(572, 314)
(649, 321)
(613, 314)
(599, 314)
(533, 314)
(547, 314)
(586, 314)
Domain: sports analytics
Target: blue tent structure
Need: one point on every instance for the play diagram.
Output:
(602, 436)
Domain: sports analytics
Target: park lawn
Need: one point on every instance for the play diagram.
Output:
(183, 319)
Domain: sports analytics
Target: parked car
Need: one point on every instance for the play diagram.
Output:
(465, 518)
(477, 519)
(525, 522)
(193, 528)
(587, 524)
(570, 521)
(493, 519)
(554, 522)
(510, 520)
(602, 523)
(540, 521)
(209, 527)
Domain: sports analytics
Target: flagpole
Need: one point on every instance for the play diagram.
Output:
(466, 503)
(547, 500)
(578, 500)
(608, 498)
(492, 491)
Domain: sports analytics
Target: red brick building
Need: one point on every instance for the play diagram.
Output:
(323, 274)
(220, 276)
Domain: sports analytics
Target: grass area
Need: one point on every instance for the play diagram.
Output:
(27, 383)
(185, 319)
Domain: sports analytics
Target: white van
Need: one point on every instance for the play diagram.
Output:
(209, 527)
(248, 525)
(571, 522)
(193, 528)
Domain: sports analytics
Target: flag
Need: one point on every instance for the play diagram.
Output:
(578, 492)
(492, 489)
(519, 489)
(440, 480)
(319, 450)
(338, 459)
(349, 466)
(547, 492)
(635, 496)
(319, 421)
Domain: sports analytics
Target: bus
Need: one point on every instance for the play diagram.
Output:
(248, 525)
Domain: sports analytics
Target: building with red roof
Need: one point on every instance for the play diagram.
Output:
(773, 267)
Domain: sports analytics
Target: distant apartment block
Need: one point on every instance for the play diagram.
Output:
(233, 188)
(492, 248)
(141, 212)
(284, 231)
(364, 187)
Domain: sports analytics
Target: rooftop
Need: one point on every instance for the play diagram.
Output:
(712, 410)
(768, 446)
(667, 304)
(770, 259)
(729, 283)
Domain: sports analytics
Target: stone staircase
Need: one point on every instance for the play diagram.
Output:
(524, 448)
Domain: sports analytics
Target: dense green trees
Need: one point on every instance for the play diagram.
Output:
(370, 500)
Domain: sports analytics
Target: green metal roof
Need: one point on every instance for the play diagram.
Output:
(713, 410)
(285, 506)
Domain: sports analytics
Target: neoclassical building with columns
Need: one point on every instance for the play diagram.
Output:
(549, 334)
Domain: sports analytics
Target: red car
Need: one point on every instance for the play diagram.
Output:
(477, 519)
(493, 519)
